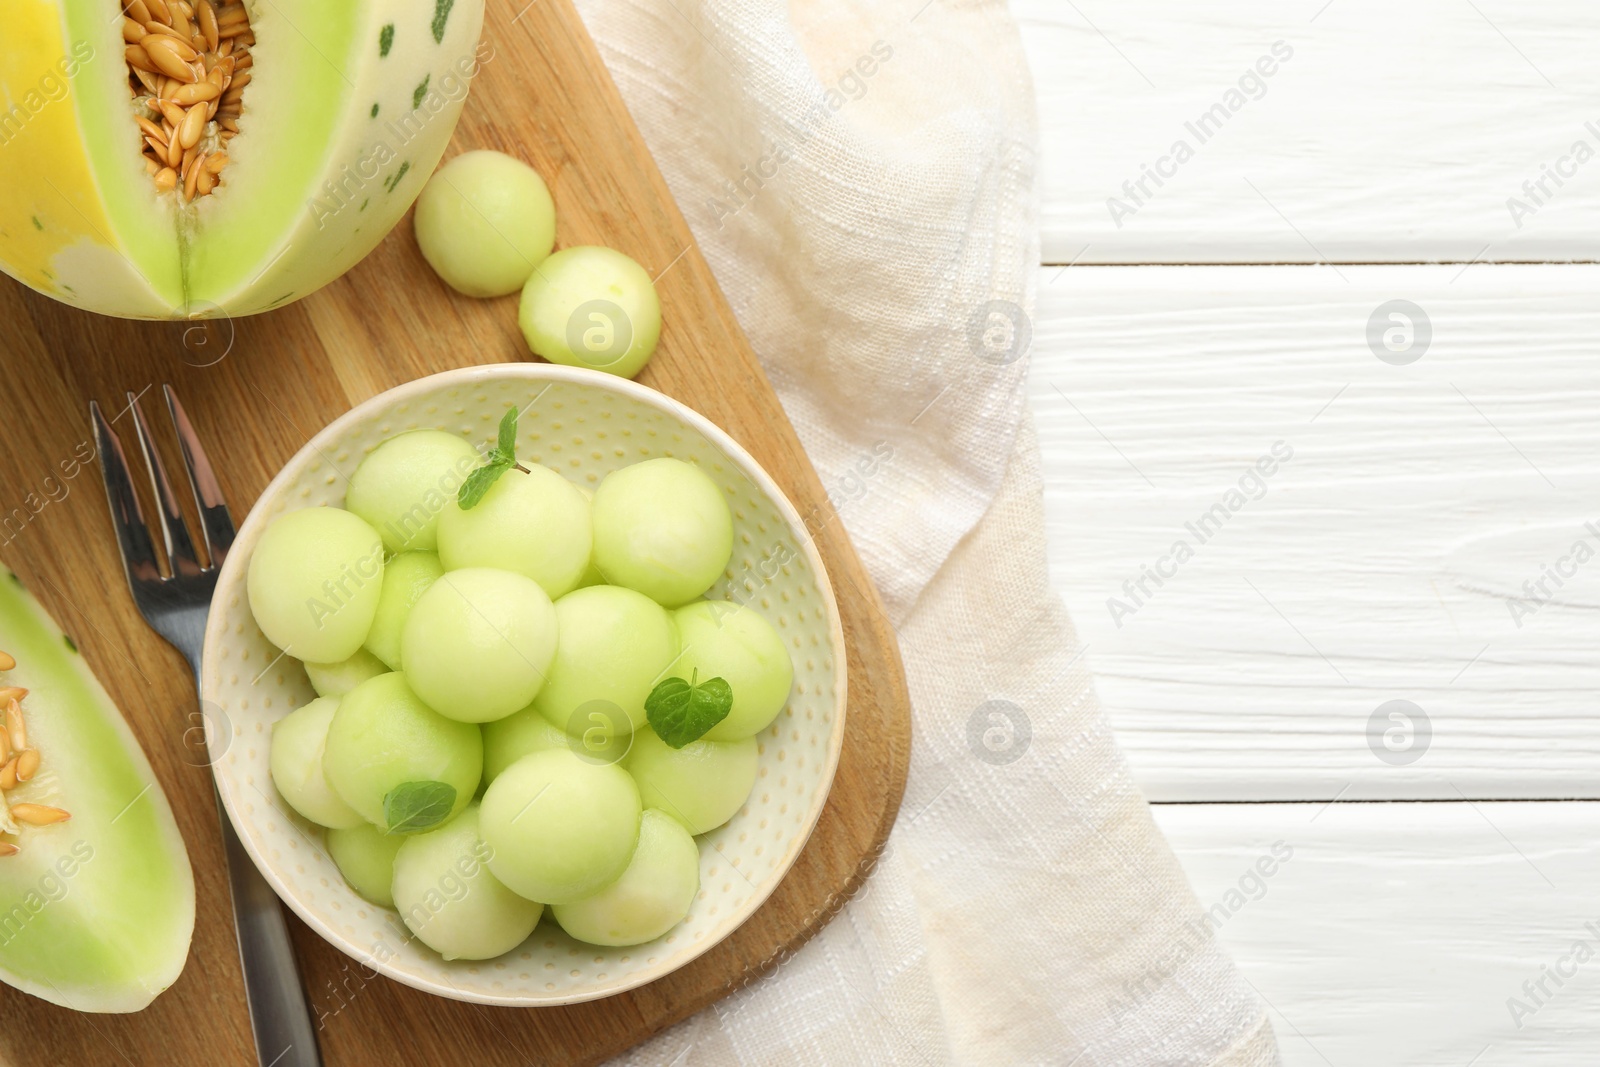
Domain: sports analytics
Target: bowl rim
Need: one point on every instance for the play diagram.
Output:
(232, 576)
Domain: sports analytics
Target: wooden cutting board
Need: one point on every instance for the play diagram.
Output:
(547, 98)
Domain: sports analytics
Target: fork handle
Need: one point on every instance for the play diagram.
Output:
(279, 1014)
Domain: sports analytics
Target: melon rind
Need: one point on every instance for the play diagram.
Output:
(350, 107)
(96, 913)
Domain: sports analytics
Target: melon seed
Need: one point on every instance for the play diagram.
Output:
(17, 732)
(38, 814)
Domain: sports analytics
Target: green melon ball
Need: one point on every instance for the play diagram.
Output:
(313, 583)
(447, 895)
(592, 307)
(652, 896)
(296, 761)
(662, 528)
(478, 644)
(615, 646)
(561, 827)
(365, 856)
(702, 785)
(404, 483)
(383, 738)
(535, 523)
(405, 578)
(484, 221)
(337, 679)
(509, 739)
(733, 642)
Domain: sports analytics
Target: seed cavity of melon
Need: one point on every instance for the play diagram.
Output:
(18, 764)
(188, 67)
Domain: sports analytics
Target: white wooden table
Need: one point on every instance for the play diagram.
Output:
(1423, 535)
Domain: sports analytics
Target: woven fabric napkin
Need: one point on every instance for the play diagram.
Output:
(861, 179)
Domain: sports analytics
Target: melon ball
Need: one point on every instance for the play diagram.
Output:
(404, 483)
(484, 221)
(296, 762)
(365, 856)
(615, 645)
(337, 679)
(314, 582)
(702, 785)
(478, 644)
(592, 307)
(561, 827)
(662, 528)
(447, 895)
(509, 739)
(535, 523)
(385, 747)
(652, 896)
(733, 642)
(405, 578)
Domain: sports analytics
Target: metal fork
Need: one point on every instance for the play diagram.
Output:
(176, 607)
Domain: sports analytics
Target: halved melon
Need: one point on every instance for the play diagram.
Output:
(96, 892)
(342, 110)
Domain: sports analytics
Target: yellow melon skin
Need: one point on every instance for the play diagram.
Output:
(349, 109)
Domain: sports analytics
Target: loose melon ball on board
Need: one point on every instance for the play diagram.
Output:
(484, 221)
(405, 578)
(406, 482)
(652, 896)
(592, 307)
(560, 827)
(365, 856)
(509, 739)
(535, 523)
(296, 761)
(314, 582)
(734, 643)
(337, 679)
(662, 528)
(615, 645)
(478, 644)
(702, 785)
(396, 761)
(449, 898)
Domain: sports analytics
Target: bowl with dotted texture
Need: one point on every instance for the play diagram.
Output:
(584, 424)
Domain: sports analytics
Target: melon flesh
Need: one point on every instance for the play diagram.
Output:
(96, 912)
(348, 111)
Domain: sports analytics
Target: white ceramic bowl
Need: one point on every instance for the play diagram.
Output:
(584, 424)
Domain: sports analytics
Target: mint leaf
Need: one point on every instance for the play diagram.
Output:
(478, 483)
(412, 807)
(681, 712)
(506, 448)
(502, 457)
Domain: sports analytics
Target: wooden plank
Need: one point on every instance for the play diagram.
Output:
(1386, 560)
(282, 376)
(1393, 132)
(1398, 933)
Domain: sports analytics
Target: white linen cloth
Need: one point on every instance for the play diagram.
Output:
(861, 179)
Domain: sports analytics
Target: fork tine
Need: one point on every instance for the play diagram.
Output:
(133, 536)
(216, 525)
(180, 547)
